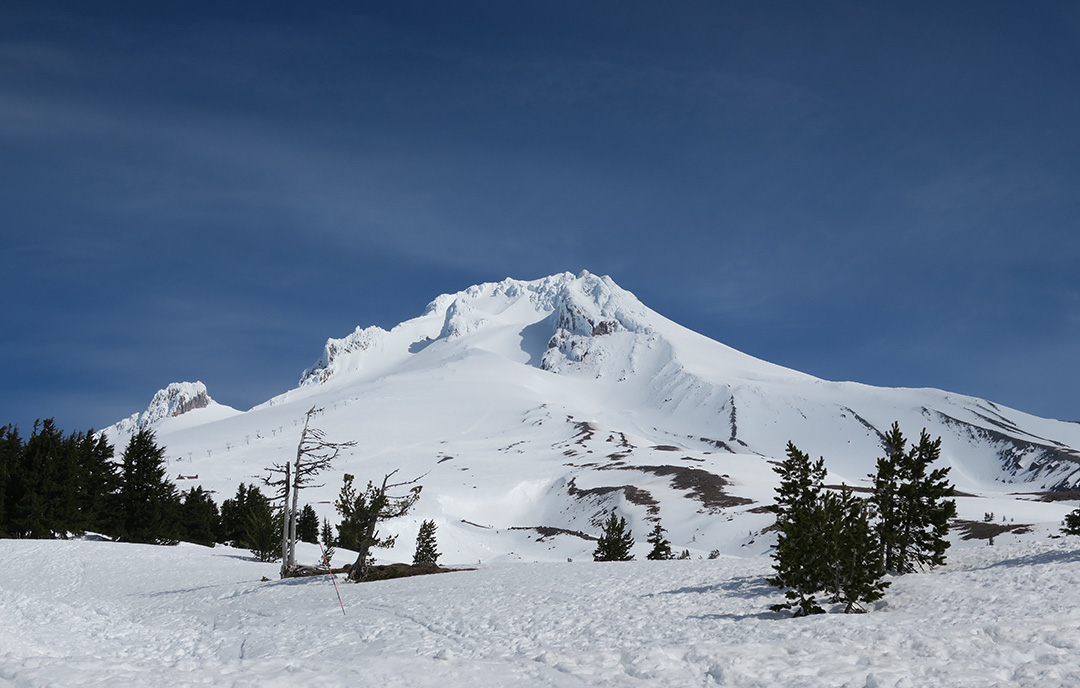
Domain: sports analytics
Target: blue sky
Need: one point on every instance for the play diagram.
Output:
(884, 193)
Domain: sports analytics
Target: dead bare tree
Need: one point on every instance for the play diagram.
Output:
(314, 453)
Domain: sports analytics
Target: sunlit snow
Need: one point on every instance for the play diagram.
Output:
(106, 614)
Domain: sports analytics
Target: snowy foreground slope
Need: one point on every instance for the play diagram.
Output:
(76, 613)
(534, 408)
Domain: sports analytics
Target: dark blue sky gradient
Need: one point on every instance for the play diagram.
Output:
(880, 194)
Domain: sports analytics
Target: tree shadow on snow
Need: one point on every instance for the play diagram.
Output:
(764, 616)
(745, 586)
(1071, 556)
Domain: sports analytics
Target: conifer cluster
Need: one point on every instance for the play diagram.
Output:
(837, 547)
(54, 485)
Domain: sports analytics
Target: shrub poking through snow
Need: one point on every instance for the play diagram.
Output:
(1071, 524)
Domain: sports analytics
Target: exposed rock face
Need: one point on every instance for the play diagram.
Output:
(175, 400)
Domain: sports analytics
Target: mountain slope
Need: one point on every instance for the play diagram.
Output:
(533, 408)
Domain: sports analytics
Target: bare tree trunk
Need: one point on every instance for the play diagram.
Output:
(291, 513)
(286, 550)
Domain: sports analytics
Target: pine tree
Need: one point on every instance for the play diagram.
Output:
(1071, 524)
(199, 518)
(262, 530)
(10, 451)
(147, 503)
(853, 561)
(661, 548)
(615, 542)
(307, 525)
(326, 538)
(98, 482)
(46, 485)
(911, 501)
(326, 534)
(425, 545)
(797, 556)
(361, 514)
(234, 513)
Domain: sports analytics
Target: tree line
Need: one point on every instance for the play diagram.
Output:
(54, 485)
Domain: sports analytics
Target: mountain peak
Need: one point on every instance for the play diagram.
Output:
(175, 400)
(578, 306)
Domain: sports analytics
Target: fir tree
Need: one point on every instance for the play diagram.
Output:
(326, 538)
(615, 542)
(852, 558)
(147, 503)
(661, 548)
(98, 481)
(797, 556)
(234, 515)
(307, 525)
(913, 511)
(199, 518)
(10, 450)
(826, 544)
(262, 530)
(361, 514)
(326, 534)
(425, 545)
(45, 485)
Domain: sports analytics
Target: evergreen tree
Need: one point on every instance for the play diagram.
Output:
(826, 544)
(661, 548)
(1071, 524)
(46, 485)
(911, 501)
(262, 529)
(10, 451)
(326, 534)
(361, 514)
(199, 518)
(797, 556)
(615, 542)
(307, 525)
(326, 537)
(54, 486)
(98, 482)
(425, 545)
(852, 558)
(147, 503)
(234, 514)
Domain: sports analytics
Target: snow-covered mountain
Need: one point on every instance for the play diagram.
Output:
(534, 407)
(177, 399)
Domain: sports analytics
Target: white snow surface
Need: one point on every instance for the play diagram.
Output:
(81, 613)
(534, 408)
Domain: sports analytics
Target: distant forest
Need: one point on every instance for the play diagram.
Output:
(54, 485)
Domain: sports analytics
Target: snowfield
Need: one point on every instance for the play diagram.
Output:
(84, 613)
